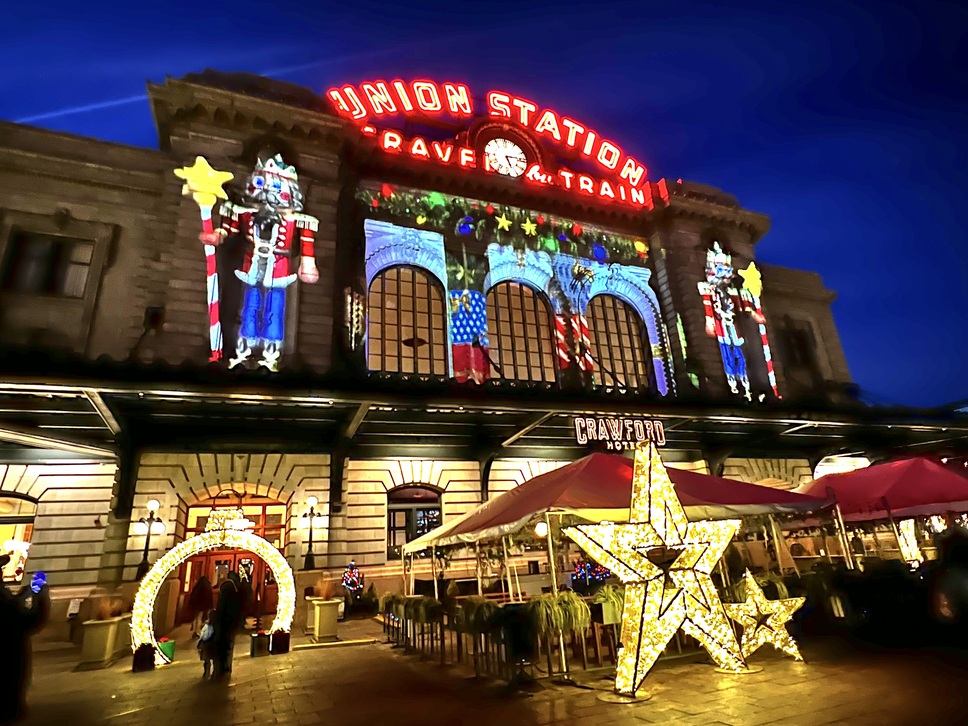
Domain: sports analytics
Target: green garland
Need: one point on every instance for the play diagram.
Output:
(457, 217)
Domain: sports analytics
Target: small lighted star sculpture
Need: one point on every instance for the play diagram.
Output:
(752, 280)
(665, 562)
(529, 227)
(503, 223)
(764, 621)
(203, 182)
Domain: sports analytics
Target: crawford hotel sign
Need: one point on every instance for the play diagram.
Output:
(618, 434)
(607, 173)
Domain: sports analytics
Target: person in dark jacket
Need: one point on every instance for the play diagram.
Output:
(228, 619)
(20, 616)
(200, 601)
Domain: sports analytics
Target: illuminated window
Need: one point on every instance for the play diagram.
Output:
(39, 264)
(406, 323)
(520, 334)
(619, 343)
(16, 526)
(412, 511)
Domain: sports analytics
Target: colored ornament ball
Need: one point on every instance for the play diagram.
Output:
(375, 203)
(562, 238)
(599, 252)
(641, 248)
(465, 226)
(577, 229)
(386, 190)
(489, 209)
(551, 244)
(540, 219)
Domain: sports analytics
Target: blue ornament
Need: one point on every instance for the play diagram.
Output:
(599, 252)
(465, 226)
(562, 238)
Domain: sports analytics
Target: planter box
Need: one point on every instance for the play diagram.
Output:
(122, 639)
(259, 646)
(326, 618)
(611, 614)
(311, 613)
(98, 642)
(279, 643)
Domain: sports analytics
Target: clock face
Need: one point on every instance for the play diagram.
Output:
(505, 157)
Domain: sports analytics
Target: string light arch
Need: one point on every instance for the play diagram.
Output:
(222, 532)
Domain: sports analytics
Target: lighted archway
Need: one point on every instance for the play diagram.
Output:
(142, 624)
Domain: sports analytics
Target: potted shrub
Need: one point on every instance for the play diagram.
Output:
(323, 589)
(611, 601)
(100, 633)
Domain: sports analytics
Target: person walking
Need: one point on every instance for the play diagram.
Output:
(20, 616)
(200, 601)
(228, 618)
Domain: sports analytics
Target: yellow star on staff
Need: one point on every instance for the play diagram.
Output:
(203, 182)
(503, 222)
(752, 280)
(764, 621)
(665, 562)
(529, 227)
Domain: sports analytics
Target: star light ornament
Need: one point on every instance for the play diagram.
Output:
(764, 621)
(665, 562)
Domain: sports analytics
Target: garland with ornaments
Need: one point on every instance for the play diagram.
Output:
(491, 222)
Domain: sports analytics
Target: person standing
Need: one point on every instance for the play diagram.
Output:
(228, 617)
(200, 601)
(20, 616)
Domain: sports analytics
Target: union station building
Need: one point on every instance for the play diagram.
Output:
(410, 298)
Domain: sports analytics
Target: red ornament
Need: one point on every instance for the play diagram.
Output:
(576, 229)
(386, 190)
(540, 219)
(375, 203)
(489, 209)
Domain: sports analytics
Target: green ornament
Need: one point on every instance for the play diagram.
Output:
(550, 244)
(436, 199)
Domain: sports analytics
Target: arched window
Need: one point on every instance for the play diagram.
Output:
(406, 323)
(412, 511)
(16, 526)
(519, 331)
(620, 344)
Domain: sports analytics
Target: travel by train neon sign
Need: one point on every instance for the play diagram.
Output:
(620, 177)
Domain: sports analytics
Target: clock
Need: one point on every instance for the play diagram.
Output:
(505, 157)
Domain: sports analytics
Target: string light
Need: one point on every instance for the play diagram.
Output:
(908, 541)
(665, 562)
(225, 528)
(764, 621)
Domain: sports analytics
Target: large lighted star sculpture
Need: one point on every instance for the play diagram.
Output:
(203, 182)
(752, 280)
(764, 621)
(665, 562)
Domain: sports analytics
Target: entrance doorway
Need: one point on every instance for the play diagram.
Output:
(412, 511)
(267, 517)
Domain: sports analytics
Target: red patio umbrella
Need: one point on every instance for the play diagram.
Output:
(600, 486)
(908, 488)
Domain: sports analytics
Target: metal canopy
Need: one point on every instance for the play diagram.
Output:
(373, 418)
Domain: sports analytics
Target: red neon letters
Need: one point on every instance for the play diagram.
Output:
(382, 98)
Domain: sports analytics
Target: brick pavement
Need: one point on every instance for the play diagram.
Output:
(374, 685)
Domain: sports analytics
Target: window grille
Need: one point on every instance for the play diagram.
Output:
(39, 264)
(619, 343)
(520, 334)
(406, 323)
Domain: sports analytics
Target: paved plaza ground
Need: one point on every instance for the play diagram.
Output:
(374, 685)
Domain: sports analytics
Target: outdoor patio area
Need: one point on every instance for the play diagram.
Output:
(376, 684)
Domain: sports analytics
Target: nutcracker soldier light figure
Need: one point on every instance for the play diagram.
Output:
(723, 304)
(270, 218)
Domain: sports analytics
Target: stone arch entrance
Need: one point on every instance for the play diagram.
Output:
(223, 531)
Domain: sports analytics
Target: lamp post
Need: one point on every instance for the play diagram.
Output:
(310, 562)
(151, 525)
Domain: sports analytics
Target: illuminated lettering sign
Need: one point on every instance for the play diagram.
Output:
(623, 178)
(618, 434)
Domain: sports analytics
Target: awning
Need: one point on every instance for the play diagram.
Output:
(909, 488)
(598, 487)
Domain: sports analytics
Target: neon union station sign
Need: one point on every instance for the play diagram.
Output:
(618, 177)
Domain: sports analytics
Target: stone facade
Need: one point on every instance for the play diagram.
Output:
(145, 300)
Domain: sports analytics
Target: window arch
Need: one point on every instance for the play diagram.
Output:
(519, 330)
(16, 526)
(406, 324)
(412, 511)
(620, 344)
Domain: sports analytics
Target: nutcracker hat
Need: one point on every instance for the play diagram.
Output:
(277, 167)
(716, 256)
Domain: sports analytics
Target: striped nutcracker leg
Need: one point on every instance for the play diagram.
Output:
(561, 340)
(214, 324)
